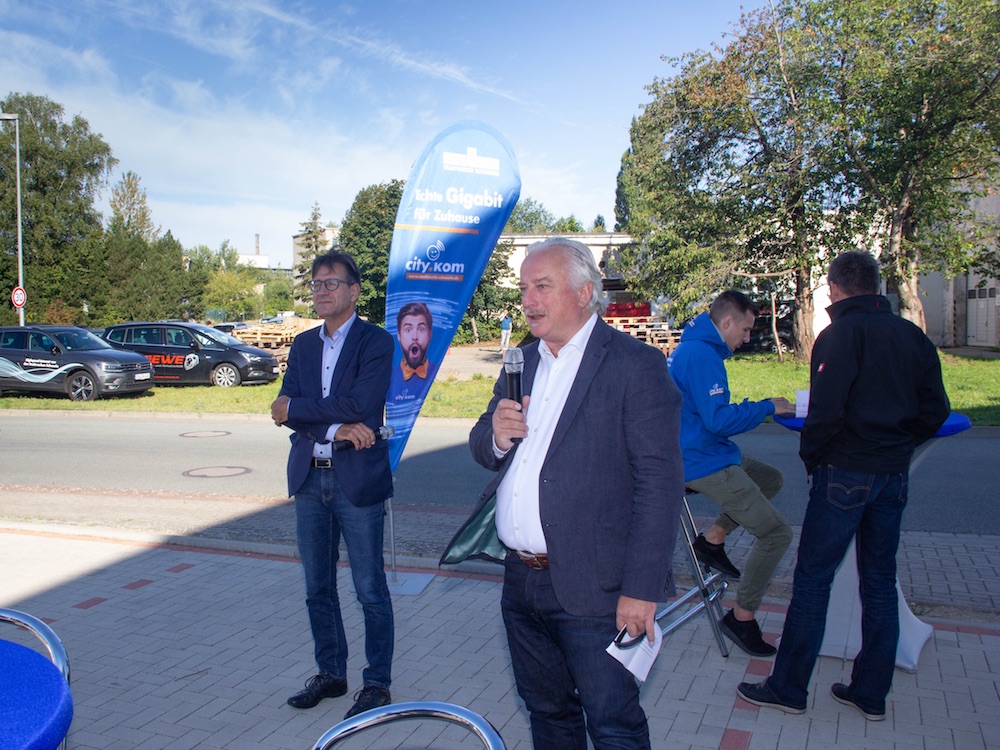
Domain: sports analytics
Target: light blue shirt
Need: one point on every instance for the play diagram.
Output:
(332, 347)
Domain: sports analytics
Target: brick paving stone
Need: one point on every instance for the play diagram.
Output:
(205, 656)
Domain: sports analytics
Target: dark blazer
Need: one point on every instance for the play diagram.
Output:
(611, 484)
(357, 394)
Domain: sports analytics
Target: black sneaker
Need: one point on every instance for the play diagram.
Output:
(746, 635)
(842, 694)
(367, 698)
(714, 556)
(761, 695)
(317, 688)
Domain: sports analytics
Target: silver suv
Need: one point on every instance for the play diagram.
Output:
(70, 360)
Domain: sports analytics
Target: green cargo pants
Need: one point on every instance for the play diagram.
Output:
(744, 493)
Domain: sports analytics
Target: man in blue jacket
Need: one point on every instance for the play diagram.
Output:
(715, 467)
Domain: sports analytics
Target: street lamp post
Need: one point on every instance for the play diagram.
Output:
(20, 252)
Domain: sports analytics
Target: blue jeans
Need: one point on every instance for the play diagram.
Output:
(563, 672)
(322, 514)
(841, 504)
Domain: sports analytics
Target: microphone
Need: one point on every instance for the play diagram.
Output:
(382, 433)
(513, 365)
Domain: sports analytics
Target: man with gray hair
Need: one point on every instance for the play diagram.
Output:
(584, 508)
(875, 395)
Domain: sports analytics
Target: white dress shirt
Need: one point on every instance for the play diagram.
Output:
(332, 347)
(518, 519)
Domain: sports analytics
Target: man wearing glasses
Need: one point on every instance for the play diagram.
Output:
(334, 390)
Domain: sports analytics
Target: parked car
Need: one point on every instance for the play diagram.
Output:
(761, 336)
(185, 353)
(229, 327)
(70, 360)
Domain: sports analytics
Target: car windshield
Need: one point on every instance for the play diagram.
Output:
(80, 340)
(219, 337)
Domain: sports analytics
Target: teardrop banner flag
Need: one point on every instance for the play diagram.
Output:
(456, 203)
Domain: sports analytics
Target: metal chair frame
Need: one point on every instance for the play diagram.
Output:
(448, 712)
(707, 592)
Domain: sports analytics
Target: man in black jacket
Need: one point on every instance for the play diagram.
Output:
(875, 395)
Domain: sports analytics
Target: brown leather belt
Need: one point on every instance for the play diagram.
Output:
(536, 562)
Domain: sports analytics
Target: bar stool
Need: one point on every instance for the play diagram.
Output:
(706, 593)
(448, 712)
(36, 705)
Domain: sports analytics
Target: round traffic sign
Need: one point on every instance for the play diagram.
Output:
(19, 296)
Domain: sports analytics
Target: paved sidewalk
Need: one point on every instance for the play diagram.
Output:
(176, 647)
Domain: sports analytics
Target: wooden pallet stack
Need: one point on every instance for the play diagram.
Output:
(276, 337)
(646, 329)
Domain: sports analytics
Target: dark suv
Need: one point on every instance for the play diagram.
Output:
(71, 360)
(184, 353)
(761, 336)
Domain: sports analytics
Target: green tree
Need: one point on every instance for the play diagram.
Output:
(312, 240)
(492, 297)
(721, 186)
(366, 233)
(215, 279)
(146, 280)
(130, 211)
(529, 217)
(567, 225)
(63, 168)
(235, 290)
(822, 125)
(278, 293)
(909, 96)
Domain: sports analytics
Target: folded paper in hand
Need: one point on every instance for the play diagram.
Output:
(638, 658)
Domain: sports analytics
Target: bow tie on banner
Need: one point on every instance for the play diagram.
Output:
(409, 372)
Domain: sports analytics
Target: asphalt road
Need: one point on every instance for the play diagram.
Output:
(168, 465)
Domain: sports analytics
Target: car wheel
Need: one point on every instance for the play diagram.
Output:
(81, 387)
(226, 376)
(785, 347)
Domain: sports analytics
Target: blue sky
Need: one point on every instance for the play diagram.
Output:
(238, 115)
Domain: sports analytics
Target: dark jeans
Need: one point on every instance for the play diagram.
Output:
(322, 514)
(563, 672)
(842, 504)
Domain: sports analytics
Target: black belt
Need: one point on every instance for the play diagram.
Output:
(322, 463)
(538, 561)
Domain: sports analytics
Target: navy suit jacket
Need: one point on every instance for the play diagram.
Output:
(611, 484)
(357, 394)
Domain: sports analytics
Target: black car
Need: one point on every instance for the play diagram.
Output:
(762, 337)
(70, 360)
(186, 353)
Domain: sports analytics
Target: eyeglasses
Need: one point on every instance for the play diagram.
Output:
(331, 284)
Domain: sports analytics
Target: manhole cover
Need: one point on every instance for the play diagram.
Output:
(215, 472)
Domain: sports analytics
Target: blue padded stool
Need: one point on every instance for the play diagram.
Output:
(36, 706)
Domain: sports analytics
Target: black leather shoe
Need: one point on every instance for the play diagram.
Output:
(367, 698)
(746, 635)
(714, 556)
(842, 694)
(317, 688)
(761, 695)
